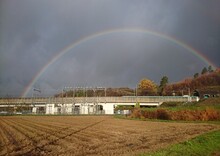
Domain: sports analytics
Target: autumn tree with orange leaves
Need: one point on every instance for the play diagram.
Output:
(147, 87)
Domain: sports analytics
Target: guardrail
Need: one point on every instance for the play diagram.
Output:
(124, 99)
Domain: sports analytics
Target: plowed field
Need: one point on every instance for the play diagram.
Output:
(90, 135)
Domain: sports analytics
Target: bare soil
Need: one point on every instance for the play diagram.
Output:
(90, 135)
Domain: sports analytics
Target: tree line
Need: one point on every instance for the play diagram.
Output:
(208, 81)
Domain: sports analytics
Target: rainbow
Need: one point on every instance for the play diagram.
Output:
(112, 31)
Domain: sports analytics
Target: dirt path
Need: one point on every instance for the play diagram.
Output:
(90, 135)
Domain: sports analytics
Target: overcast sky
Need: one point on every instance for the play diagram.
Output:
(32, 32)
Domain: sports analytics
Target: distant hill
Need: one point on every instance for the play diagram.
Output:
(122, 91)
(208, 83)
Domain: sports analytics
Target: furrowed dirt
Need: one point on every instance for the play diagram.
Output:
(90, 135)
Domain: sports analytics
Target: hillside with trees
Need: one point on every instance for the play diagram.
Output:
(206, 83)
(121, 91)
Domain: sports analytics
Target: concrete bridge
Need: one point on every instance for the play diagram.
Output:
(82, 105)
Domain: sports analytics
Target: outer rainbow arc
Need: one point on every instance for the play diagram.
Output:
(103, 33)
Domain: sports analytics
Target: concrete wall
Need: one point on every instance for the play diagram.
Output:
(108, 108)
(92, 105)
(50, 109)
(79, 108)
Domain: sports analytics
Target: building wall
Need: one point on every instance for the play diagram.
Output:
(50, 109)
(108, 108)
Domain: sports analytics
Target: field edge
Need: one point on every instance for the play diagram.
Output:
(205, 144)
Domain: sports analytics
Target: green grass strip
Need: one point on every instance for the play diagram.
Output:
(203, 145)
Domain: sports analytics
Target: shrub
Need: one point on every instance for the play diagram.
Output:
(162, 114)
(136, 113)
(208, 114)
(149, 114)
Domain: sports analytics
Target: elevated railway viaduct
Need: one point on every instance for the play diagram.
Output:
(82, 105)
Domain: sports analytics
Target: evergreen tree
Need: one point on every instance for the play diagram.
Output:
(204, 71)
(210, 70)
(163, 83)
(196, 75)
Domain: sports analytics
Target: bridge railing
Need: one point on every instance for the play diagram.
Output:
(123, 99)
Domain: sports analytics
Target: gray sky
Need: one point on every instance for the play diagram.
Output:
(32, 32)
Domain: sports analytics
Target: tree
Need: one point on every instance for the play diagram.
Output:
(196, 75)
(163, 83)
(147, 87)
(204, 71)
(210, 70)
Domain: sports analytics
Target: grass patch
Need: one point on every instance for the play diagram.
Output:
(202, 104)
(174, 106)
(203, 145)
(217, 122)
(205, 110)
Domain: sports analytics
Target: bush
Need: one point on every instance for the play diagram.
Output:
(163, 114)
(136, 113)
(208, 114)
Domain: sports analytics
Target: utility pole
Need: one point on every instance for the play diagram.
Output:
(62, 101)
(73, 94)
(105, 94)
(86, 94)
(189, 95)
(136, 93)
(34, 96)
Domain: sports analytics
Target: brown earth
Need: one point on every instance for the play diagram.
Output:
(90, 135)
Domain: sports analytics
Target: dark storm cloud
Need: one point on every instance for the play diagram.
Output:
(199, 26)
(32, 32)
